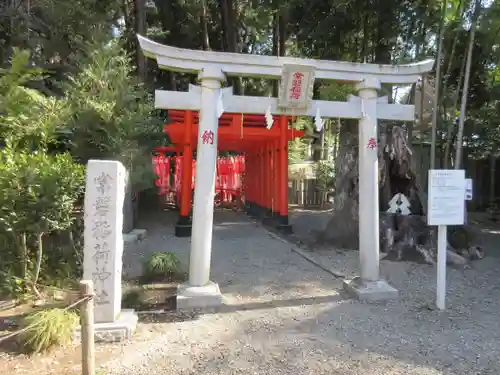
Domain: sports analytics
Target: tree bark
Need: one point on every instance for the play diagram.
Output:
(435, 109)
(276, 48)
(342, 228)
(229, 18)
(465, 92)
(38, 266)
(204, 26)
(279, 38)
(140, 28)
(452, 122)
(492, 180)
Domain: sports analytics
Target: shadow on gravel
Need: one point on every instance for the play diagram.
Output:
(162, 316)
(166, 317)
(306, 301)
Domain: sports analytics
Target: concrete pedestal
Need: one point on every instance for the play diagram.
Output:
(183, 230)
(370, 290)
(283, 225)
(119, 330)
(198, 297)
(183, 227)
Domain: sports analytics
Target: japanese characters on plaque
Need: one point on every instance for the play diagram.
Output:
(295, 91)
(103, 247)
(296, 87)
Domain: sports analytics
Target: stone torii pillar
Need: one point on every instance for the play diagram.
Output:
(369, 286)
(199, 291)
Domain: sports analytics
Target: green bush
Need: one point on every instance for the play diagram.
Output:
(47, 329)
(133, 299)
(38, 193)
(38, 190)
(162, 266)
(29, 120)
(325, 174)
(112, 113)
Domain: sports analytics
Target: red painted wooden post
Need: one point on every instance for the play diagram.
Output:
(183, 227)
(283, 170)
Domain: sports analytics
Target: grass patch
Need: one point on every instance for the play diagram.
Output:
(48, 328)
(163, 267)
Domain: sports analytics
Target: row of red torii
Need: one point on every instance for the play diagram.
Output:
(210, 117)
(228, 185)
(266, 161)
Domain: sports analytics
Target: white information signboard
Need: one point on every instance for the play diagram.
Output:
(446, 206)
(446, 202)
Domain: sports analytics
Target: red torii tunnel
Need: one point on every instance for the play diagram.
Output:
(265, 184)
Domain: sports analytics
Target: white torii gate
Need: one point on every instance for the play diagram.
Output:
(212, 68)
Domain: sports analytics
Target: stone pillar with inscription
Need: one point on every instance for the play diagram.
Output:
(103, 248)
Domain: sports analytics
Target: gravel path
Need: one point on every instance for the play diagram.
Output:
(282, 315)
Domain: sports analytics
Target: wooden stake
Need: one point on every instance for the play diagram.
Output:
(87, 328)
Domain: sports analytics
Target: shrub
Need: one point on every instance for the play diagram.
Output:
(161, 266)
(133, 299)
(38, 190)
(38, 193)
(48, 328)
(112, 113)
(325, 174)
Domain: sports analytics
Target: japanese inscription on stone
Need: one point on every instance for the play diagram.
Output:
(103, 250)
(101, 230)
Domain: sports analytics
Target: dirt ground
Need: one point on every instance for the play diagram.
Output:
(282, 315)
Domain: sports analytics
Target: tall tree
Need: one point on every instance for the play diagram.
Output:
(465, 92)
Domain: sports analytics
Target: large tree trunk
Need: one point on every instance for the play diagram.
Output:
(204, 26)
(276, 48)
(437, 84)
(140, 28)
(465, 92)
(280, 17)
(342, 229)
(401, 237)
(229, 18)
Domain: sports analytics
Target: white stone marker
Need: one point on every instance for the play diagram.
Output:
(103, 247)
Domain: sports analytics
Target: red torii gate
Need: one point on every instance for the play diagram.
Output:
(265, 184)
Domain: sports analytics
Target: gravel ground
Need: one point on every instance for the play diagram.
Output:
(283, 315)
